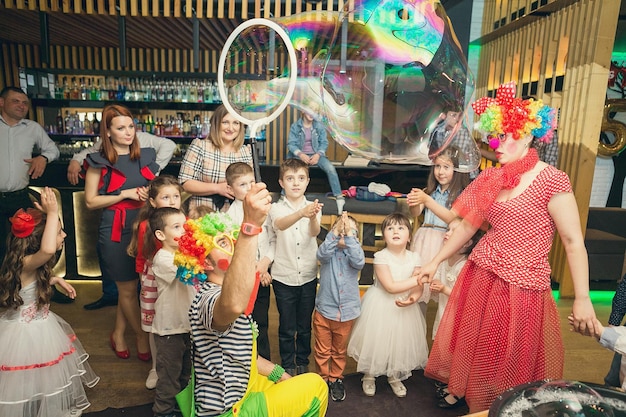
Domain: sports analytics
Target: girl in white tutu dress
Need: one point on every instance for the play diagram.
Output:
(42, 364)
(388, 339)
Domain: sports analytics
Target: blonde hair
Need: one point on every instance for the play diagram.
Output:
(216, 123)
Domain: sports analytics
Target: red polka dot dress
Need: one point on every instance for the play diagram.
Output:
(501, 327)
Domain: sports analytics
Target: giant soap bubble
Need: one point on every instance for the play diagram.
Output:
(382, 76)
(559, 398)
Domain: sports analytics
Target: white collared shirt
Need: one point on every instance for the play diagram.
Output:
(16, 145)
(295, 262)
(267, 238)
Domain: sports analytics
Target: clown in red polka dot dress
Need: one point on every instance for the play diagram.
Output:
(501, 327)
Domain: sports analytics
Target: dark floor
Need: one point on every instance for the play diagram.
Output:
(122, 381)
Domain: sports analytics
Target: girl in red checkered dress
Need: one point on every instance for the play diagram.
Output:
(502, 328)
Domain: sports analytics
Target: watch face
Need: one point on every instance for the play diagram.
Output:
(250, 229)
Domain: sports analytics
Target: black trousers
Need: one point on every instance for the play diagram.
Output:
(261, 316)
(295, 309)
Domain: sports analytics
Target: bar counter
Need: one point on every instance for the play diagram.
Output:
(79, 256)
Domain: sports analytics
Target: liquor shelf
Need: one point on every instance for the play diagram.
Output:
(132, 105)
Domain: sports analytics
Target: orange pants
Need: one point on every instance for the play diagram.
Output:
(331, 342)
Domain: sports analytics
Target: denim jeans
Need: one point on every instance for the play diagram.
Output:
(612, 377)
(295, 309)
(333, 179)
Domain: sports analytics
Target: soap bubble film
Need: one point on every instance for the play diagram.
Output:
(383, 76)
(559, 398)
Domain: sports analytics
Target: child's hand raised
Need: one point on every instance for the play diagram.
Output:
(416, 197)
(311, 210)
(49, 204)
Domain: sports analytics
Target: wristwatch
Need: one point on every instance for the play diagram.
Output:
(250, 229)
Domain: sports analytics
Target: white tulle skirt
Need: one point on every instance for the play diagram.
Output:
(43, 366)
(387, 339)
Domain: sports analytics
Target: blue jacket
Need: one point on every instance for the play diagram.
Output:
(319, 141)
(338, 297)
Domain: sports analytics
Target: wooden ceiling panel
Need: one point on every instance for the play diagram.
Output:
(95, 30)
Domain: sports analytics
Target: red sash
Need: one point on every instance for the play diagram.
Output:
(119, 218)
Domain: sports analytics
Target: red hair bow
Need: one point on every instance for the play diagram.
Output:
(504, 97)
(23, 222)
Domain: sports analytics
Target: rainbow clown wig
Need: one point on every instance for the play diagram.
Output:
(507, 114)
(200, 238)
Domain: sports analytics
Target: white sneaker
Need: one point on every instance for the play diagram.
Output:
(152, 379)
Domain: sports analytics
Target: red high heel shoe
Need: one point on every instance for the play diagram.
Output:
(122, 354)
(146, 357)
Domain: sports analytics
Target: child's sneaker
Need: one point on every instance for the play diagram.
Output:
(337, 390)
(152, 379)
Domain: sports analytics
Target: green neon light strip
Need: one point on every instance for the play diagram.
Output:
(596, 296)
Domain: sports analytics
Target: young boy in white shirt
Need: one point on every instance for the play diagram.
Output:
(239, 180)
(171, 320)
(296, 223)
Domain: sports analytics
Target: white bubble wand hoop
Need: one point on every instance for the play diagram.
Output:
(254, 125)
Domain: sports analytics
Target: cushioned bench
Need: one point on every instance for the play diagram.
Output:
(605, 241)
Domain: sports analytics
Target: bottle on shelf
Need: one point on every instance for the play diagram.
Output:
(206, 127)
(193, 92)
(112, 88)
(121, 90)
(68, 122)
(129, 92)
(95, 126)
(207, 92)
(150, 124)
(85, 89)
(94, 94)
(185, 92)
(186, 125)
(75, 94)
(169, 92)
(200, 95)
(66, 89)
(195, 126)
(60, 124)
(87, 125)
(156, 129)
